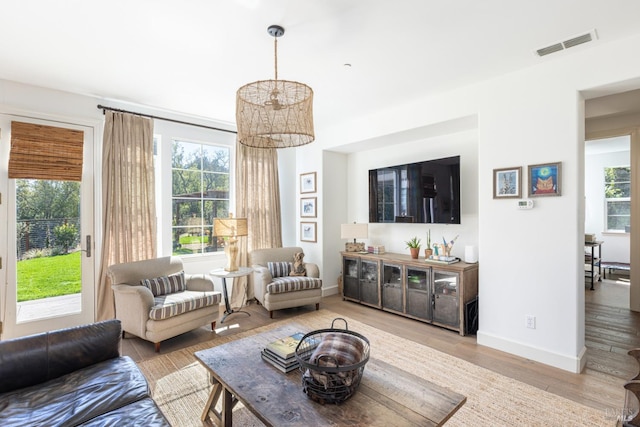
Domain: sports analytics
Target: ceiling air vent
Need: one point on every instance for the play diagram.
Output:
(549, 49)
(573, 41)
(577, 40)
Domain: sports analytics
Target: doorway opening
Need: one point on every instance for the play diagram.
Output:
(608, 217)
(48, 265)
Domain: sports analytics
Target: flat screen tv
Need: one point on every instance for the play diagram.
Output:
(422, 192)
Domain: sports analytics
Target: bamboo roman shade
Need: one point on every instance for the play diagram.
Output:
(45, 152)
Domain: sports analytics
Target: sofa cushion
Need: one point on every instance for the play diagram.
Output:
(171, 305)
(279, 269)
(292, 284)
(141, 413)
(76, 397)
(164, 285)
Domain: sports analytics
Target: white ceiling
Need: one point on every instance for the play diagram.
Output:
(190, 56)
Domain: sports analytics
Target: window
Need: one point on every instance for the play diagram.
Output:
(200, 192)
(617, 193)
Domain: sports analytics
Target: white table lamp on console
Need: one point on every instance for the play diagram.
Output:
(354, 231)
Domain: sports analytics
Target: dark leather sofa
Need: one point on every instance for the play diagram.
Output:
(73, 377)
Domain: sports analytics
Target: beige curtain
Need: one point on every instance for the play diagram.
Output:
(128, 198)
(258, 200)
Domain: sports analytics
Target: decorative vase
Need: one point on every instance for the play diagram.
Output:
(428, 253)
(415, 252)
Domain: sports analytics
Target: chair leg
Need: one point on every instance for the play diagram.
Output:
(271, 314)
(157, 347)
(123, 334)
(317, 306)
(213, 326)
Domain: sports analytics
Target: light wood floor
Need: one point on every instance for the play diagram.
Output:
(610, 332)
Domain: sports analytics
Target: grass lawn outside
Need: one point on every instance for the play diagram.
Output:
(49, 276)
(189, 240)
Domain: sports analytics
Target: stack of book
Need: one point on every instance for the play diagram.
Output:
(443, 259)
(281, 353)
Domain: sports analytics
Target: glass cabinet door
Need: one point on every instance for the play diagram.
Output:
(446, 308)
(392, 287)
(369, 282)
(350, 281)
(417, 286)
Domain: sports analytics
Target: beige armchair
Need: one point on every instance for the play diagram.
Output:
(155, 300)
(272, 285)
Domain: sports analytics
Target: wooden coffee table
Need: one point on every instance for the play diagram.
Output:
(386, 396)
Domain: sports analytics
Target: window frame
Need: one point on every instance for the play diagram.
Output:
(608, 200)
(165, 136)
(200, 200)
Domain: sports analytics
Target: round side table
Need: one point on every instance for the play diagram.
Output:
(224, 275)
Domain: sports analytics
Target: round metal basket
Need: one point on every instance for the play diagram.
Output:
(332, 362)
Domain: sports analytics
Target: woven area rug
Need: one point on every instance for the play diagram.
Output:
(180, 386)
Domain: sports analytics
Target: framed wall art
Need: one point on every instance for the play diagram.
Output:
(507, 183)
(308, 182)
(308, 232)
(545, 179)
(308, 207)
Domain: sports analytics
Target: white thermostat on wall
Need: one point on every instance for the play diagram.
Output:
(525, 204)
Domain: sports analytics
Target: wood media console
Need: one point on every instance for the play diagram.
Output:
(441, 294)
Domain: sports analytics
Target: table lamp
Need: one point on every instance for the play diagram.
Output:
(231, 228)
(354, 231)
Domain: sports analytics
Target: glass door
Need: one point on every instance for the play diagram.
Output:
(392, 295)
(48, 267)
(446, 309)
(369, 292)
(350, 282)
(418, 292)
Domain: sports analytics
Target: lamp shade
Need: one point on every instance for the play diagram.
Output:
(354, 231)
(274, 114)
(230, 227)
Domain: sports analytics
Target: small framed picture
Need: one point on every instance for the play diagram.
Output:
(544, 179)
(308, 182)
(308, 207)
(308, 232)
(507, 183)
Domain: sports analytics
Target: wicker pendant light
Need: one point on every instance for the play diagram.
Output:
(275, 113)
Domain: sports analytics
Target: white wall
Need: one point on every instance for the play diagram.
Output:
(334, 213)
(288, 179)
(615, 246)
(531, 262)
(309, 158)
(393, 236)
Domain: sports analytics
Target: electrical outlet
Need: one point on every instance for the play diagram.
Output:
(530, 321)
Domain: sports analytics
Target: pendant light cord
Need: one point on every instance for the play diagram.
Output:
(275, 55)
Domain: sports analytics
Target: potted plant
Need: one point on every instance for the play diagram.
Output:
(428, 251)
(414, 247)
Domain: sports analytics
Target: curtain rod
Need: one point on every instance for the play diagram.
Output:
(103, 108)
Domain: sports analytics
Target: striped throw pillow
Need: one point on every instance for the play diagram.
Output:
(279, 269)
(164, 285)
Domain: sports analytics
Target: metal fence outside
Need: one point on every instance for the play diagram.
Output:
(38, 233)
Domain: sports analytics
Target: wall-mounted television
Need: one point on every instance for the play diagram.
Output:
(425, 192)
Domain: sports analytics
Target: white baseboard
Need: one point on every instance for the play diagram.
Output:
(573, 364)
(331, 290)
